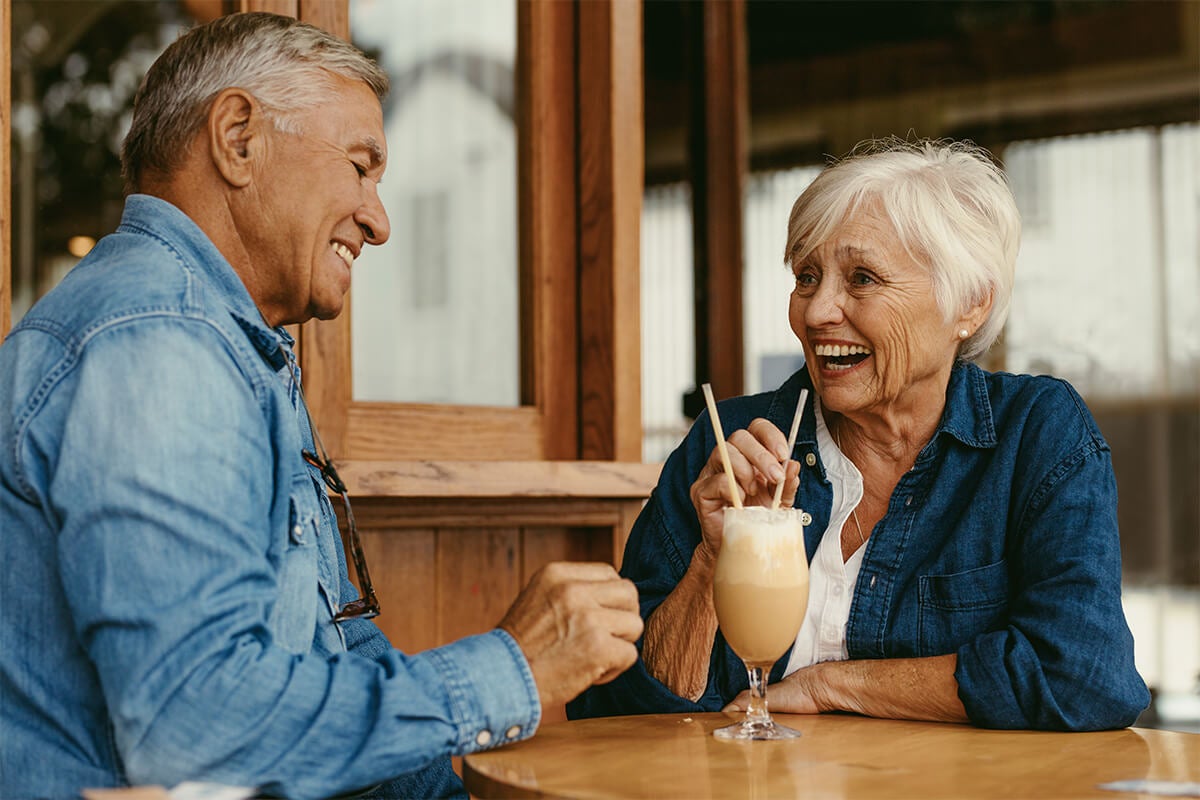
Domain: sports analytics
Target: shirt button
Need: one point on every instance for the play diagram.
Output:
(810, 459)
(908, 500)
(805, 518)
(837, 590)
(483, 738)
(298, 532)
(829, 632)
(513, 732)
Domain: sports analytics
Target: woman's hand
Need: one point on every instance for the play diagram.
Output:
(760, 459)
(798, 693)
(892, 688)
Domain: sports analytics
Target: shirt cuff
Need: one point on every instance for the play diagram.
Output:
(491, 691)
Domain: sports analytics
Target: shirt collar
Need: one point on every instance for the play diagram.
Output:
(967, 416)
(968, 413)
(156, 217)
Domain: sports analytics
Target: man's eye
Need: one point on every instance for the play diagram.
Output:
(360, 169)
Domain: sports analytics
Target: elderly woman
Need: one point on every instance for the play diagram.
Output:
(965, 563)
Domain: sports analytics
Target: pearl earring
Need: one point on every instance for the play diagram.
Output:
(964, 333)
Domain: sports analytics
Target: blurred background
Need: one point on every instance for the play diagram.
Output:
(1092, 106)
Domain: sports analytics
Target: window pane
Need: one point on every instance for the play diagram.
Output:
(772, 350)
(75, 69)
(434, 311)
(1107, 291)
(668, 332)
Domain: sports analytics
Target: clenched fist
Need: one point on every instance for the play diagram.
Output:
(576, 624)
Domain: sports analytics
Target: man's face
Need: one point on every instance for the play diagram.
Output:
(315, 205)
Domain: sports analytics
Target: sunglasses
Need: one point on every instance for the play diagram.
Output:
(367, 606)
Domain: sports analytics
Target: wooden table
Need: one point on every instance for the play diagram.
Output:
(839, 756)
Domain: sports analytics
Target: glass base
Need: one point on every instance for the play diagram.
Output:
(756, 730)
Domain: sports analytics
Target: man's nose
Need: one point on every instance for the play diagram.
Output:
(372, 217)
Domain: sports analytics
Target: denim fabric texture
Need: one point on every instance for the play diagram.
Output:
(171, 565)
(999, 545)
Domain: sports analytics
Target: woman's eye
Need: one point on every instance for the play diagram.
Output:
(862, 278)
(806, 278)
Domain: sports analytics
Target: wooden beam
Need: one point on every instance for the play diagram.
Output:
(5, 169)
(325, 356)
(717, 144)
(610, 197)
(546, 191)
(496, 479)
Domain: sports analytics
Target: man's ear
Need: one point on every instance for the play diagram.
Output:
(235, 123)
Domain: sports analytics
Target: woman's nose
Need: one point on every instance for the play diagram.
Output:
(825, 305)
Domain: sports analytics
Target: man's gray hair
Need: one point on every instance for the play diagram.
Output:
(951, 207)
(285, 64)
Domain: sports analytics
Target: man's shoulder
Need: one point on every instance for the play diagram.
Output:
(125, 277)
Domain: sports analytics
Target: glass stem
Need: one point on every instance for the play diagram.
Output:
(757, 710)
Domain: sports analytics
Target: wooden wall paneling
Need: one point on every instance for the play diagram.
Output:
(611, 155)
(288, 8)
(478, 577)
(718, 136)
(546, 75)
(402, 564)
(5, 169)
(332, 15)
(542, 545)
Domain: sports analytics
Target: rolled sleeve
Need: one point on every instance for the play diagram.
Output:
(1064, 660)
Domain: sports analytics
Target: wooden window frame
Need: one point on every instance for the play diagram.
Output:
(580, 166)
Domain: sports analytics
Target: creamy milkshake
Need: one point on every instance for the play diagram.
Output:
(760, 587)
(760, 591)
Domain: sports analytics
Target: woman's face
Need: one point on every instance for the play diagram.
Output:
(864, 310)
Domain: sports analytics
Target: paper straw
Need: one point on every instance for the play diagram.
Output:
(791, 444)
(716, 423)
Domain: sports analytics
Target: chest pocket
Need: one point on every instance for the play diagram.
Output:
(295, 613)
(954, 609)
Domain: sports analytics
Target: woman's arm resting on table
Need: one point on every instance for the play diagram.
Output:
(679, 634)
(893, 688)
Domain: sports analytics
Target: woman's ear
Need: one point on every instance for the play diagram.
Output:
(234, 124)
(974, 317)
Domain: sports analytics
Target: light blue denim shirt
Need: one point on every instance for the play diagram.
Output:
(1000, 545)
(171, 564)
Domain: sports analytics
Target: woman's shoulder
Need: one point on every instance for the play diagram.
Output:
(1044, 405)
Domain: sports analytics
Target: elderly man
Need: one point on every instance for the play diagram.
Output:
(176, 601)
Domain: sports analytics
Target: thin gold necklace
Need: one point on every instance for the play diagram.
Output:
(837, 437)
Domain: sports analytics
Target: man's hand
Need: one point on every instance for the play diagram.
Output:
(576, 624)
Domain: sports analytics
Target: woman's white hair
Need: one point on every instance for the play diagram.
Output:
(286, 64)
(951, 207)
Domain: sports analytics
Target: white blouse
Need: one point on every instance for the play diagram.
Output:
(831, 581)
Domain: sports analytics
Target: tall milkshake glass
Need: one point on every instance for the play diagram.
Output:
(760, 590)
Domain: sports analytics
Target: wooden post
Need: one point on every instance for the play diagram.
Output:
(5, 169)
(717, 140)
(611, 158)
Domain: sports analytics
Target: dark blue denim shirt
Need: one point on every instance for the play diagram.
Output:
(999, 545)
